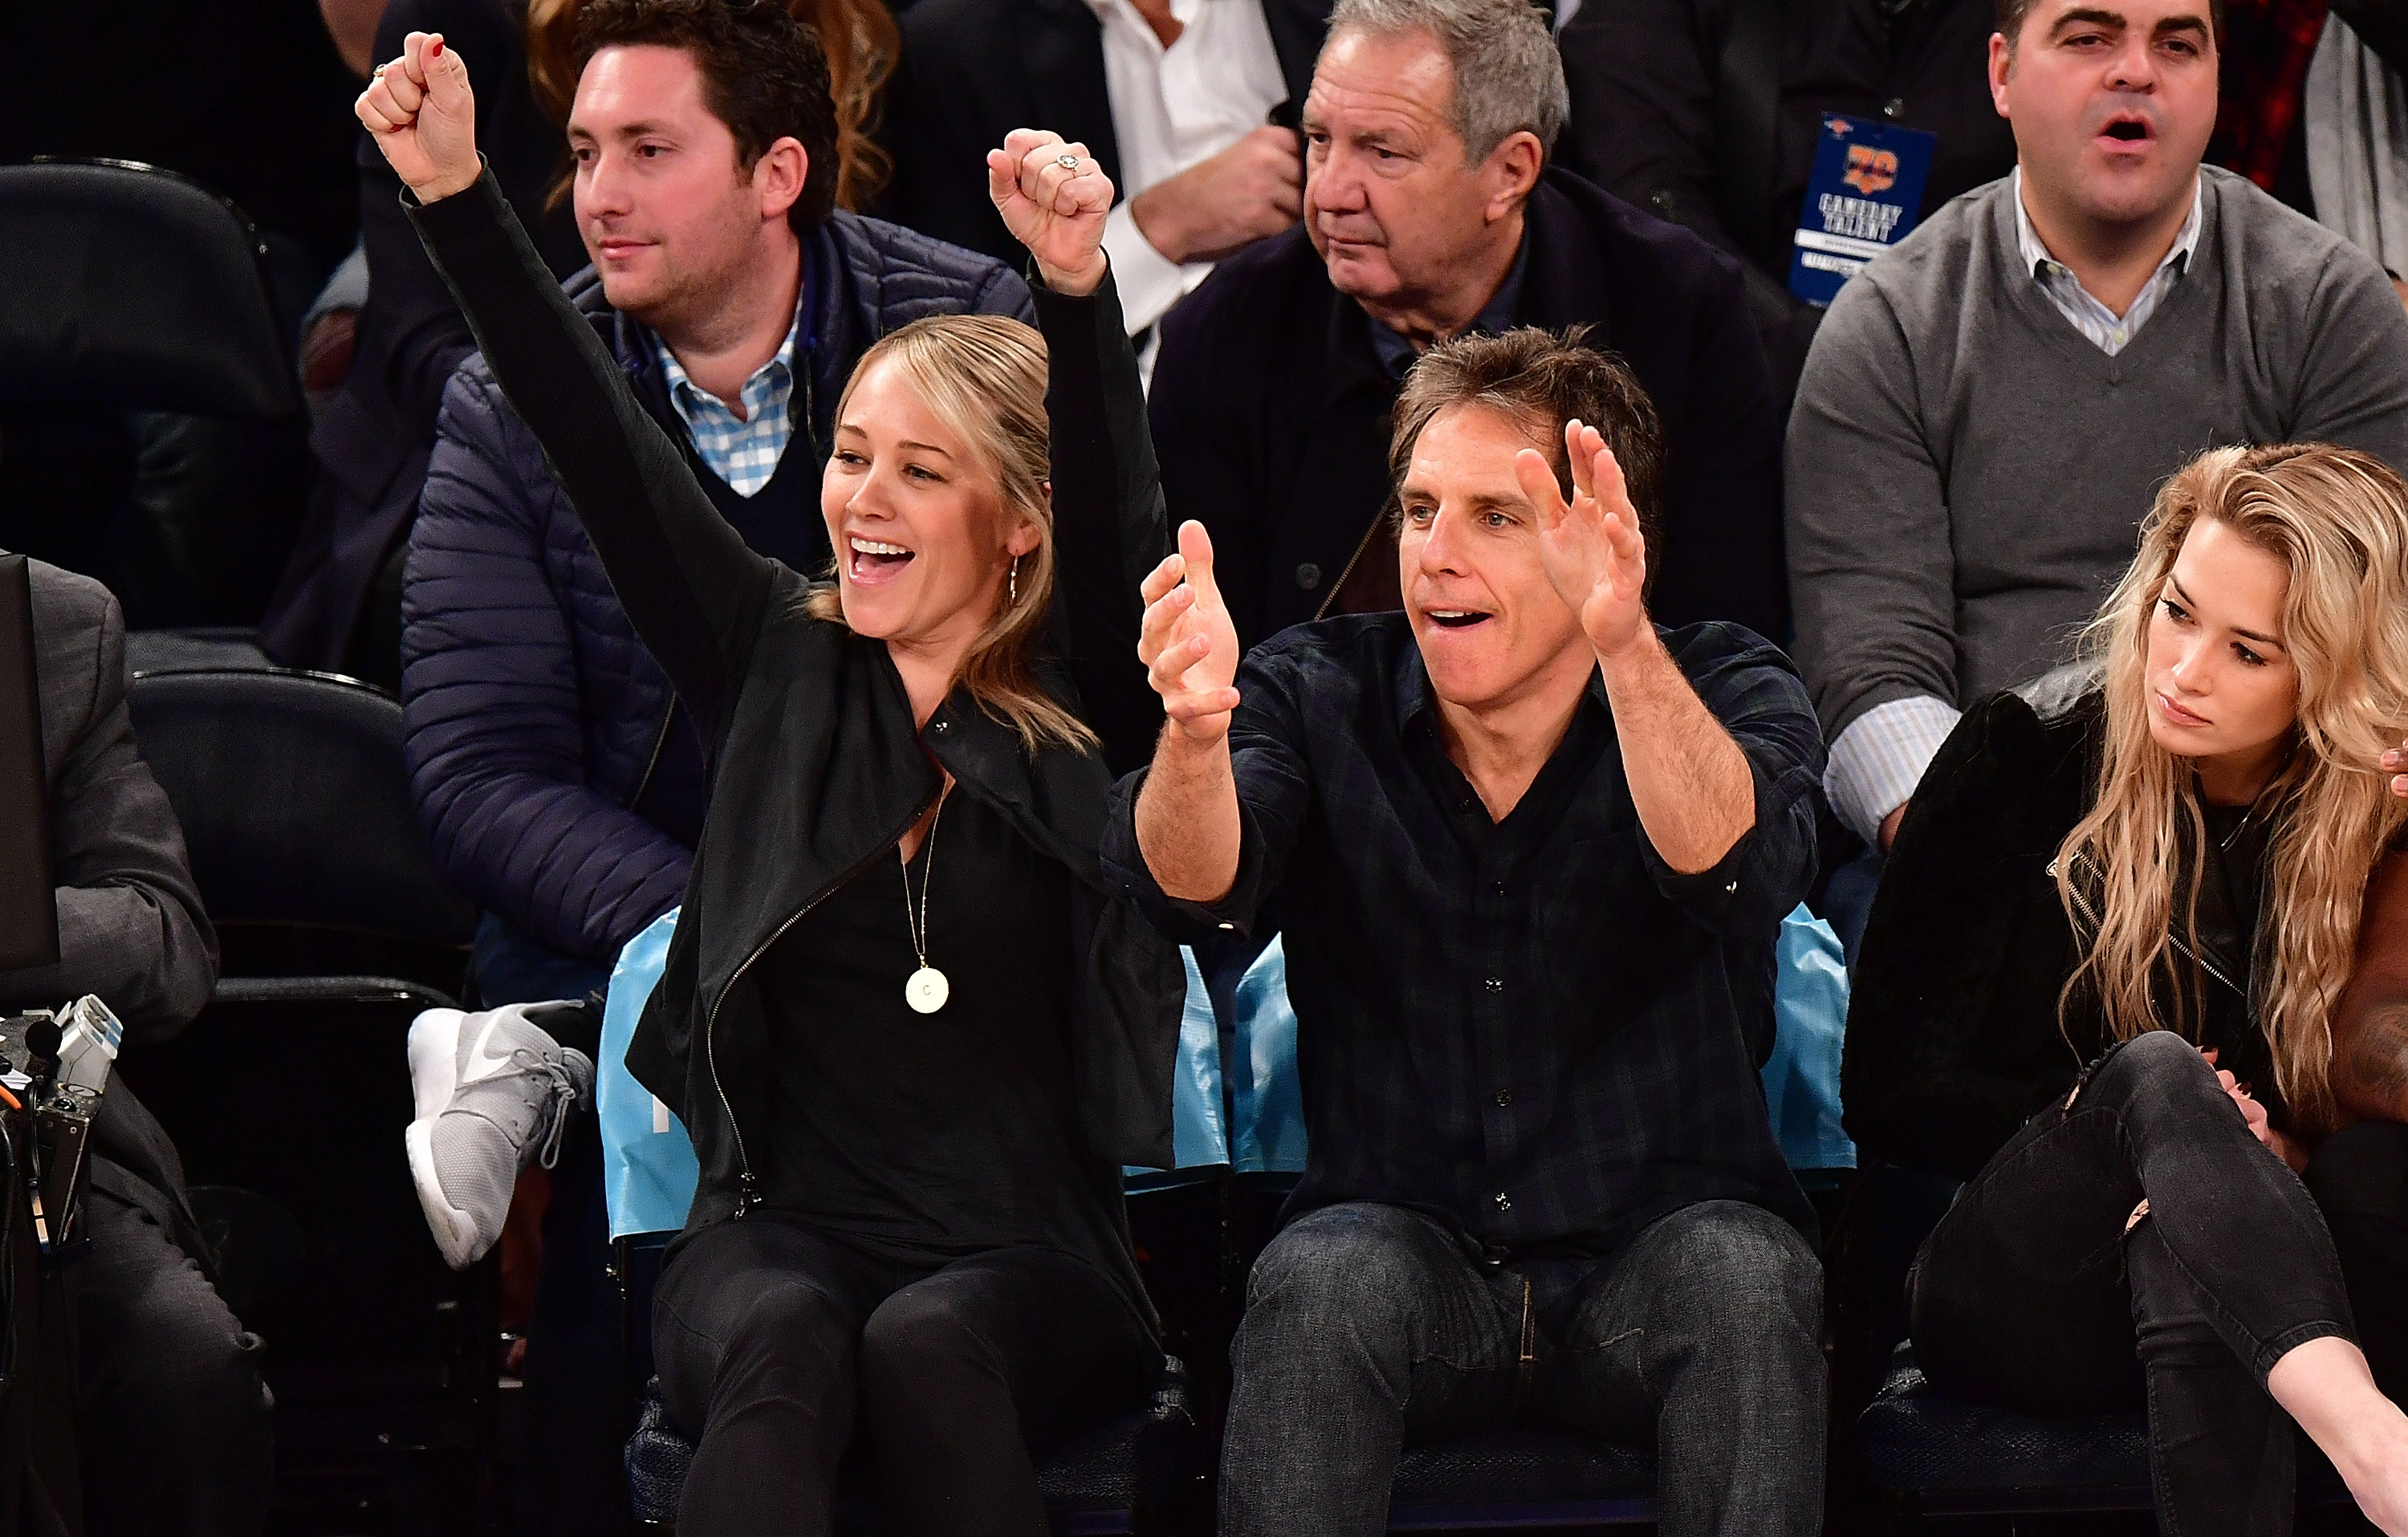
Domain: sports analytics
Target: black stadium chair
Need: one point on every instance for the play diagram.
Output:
(153, 431)
(289, 1094)
(1521, 1480)
(1928, 1456)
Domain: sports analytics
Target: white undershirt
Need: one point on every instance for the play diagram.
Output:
(1172, 108)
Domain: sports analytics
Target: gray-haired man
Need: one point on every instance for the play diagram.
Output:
(1430, 210)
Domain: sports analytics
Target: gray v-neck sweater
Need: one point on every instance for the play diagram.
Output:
(1967, 472)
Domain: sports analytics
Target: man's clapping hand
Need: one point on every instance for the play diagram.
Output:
(422, 115)
(1595, 555)
(1188, 643)
(1253, 189)
(1056, 210)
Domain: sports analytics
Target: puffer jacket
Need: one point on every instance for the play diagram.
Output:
(558, 781)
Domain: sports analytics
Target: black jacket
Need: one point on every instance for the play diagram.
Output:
(1646, 78)
(1953, 1037)
(1270, 411)
(817, 767)
(973, 70)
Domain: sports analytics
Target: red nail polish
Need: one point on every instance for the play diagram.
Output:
(435, 50)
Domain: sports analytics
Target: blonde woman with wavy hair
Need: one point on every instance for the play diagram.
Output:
(2128, 974)
(912, 1032)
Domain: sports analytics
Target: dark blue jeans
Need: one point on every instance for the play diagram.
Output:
(2039, 1293)
(1368, 1328)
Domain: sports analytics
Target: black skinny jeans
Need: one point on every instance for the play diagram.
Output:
(2032, 1294)
(770, 1339)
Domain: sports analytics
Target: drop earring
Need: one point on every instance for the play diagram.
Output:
(1011, 585)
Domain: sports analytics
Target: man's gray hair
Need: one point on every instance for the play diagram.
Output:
(1508, 75)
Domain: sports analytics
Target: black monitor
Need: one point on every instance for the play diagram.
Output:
(29, 916)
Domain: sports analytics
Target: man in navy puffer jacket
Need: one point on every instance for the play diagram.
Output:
(557, 780)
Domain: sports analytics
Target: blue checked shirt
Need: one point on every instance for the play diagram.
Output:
(745, 452)
(1533, 1029)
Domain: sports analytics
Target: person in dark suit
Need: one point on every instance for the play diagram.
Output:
(1654, 120)
(1430, 210)
(172, 1418)
(1188, 105)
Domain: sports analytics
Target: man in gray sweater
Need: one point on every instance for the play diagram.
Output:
(1989, 409)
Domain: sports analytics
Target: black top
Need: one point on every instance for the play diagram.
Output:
(925, 1138)
(1270, 411)
(1534, 1028)
(1960, 1027)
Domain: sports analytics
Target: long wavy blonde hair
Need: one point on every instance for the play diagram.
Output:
(2338, 521)
(984, 376)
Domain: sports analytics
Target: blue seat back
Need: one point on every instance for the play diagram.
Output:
(1801, 1078)
(648, 1170)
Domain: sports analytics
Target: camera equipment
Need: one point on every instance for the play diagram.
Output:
(54, 1068)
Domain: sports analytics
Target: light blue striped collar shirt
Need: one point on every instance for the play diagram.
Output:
(2107, 330)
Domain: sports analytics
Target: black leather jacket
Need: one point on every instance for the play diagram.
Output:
(817, 766)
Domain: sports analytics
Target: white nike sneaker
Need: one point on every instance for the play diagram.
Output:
(494, 1094)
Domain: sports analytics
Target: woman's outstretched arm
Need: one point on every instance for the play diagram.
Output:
(1109, 528)
(694, 590)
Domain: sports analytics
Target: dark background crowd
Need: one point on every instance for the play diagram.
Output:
(401, 528)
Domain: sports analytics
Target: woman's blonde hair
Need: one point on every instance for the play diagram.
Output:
(2338, 521)
(859, 37)
(984, 378)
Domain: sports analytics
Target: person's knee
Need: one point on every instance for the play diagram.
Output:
(2362, 1170)
(1733, 1275)
(786, 1325)
(922, 1338)
(2156, 1066)
(180, 1358)
(1356, 1266)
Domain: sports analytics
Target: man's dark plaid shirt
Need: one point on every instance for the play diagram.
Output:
(1535, 1027)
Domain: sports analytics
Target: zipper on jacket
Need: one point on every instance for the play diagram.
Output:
(1352, 561)
(2081, 905)
(748, 1188)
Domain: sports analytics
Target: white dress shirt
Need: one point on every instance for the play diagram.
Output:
(1876, 763)
(1173, 108)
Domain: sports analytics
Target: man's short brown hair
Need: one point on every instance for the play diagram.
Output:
(1541, 380)
(764, 75)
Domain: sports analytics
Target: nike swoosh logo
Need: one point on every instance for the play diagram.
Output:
(483, 1064)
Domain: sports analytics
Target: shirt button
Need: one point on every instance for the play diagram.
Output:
(1500, 888)
(1496, 984)
(1504, 1201)
(1308, 575)
(1894, 108)
(1504, 1097)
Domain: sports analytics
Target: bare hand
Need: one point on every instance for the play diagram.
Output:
(1595, 557)
(1889, 827)
(2395, 763)
(1186, 642)
(1056, 210)
(422, 115)
(1253, 189)
(2254, 1115)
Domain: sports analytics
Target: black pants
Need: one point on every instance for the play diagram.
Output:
(173, 1421)
(2033, 1295)
(772, 1339)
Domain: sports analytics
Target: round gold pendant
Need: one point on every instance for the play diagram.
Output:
(926, 990)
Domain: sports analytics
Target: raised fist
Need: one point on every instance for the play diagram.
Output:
(1054, 197)
(422, 115)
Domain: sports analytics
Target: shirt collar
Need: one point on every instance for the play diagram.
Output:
(1397, 354)
(683, 390)
(2037, 260)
